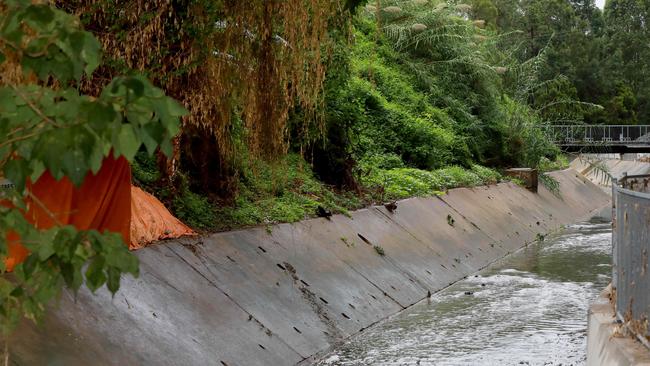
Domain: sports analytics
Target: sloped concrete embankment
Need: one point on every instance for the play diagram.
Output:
(281, 297)
(616, 168)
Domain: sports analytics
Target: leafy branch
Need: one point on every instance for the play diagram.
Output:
(43, 128)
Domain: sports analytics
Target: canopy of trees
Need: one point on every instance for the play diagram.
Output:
(362, 90)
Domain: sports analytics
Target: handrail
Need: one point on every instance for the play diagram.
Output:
(590, 135)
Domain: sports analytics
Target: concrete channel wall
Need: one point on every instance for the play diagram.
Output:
(592, 169)
(287, 295)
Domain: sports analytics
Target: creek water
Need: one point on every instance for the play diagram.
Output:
(527, 309)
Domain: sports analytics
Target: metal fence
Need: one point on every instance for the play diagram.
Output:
(591, 135)
(631, 247)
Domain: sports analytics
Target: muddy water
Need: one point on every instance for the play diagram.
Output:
(528, 309)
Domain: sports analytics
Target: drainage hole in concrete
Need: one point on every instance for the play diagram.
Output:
(345, 316)
(262, 249)
(352, 306)
(223, 363)
(297, 330)
(323, 300)
(364, 239)
(262, 347)
(428, 272)
(281, 267)
(393, 287)
(373, 296)
(230, 259)
(304, 283)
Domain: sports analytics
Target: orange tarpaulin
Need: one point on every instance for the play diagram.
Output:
(151, 221)
(102, 202)
(105, 201)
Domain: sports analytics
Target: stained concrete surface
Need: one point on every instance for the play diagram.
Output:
(283, 297)
(605, 343)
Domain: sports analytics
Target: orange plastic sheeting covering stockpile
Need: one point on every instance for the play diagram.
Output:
(151, 221)
(102, 202)
(105, 201)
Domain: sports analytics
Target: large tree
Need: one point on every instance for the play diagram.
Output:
(626, 53)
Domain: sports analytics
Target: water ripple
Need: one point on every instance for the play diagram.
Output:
(529, 309)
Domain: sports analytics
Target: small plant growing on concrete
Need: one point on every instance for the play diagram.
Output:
(550, 183)
(379, 250)
(450, 220)
(540, 237)
(347, 242)
(269, 229)
(517, 181)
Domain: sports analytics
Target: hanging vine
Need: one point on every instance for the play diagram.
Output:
(236, 65)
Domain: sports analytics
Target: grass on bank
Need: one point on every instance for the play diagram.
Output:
(288, 191)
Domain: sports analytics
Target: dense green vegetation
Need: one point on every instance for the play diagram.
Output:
(367, 101)
(601, 54)
(418, 97)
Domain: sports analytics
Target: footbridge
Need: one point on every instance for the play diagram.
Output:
(600, 138)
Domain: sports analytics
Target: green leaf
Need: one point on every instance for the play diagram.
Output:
(71, 276)
(167, 148)
(65, 243)
(74, 165)
(175, 108)
(7, 103)
(30, 265)
(39, 15)
(136, 87)
(38, 168)
(3, 241)
(17, 171)
(113, 283)
(46, 246)
(152, 134)
(91, 53)
(128, 142)
(95, 277)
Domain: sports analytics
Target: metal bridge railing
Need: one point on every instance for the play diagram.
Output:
(631, 248)
(593, 135)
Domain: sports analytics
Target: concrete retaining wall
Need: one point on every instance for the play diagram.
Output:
(283, 297)
(605, 344)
